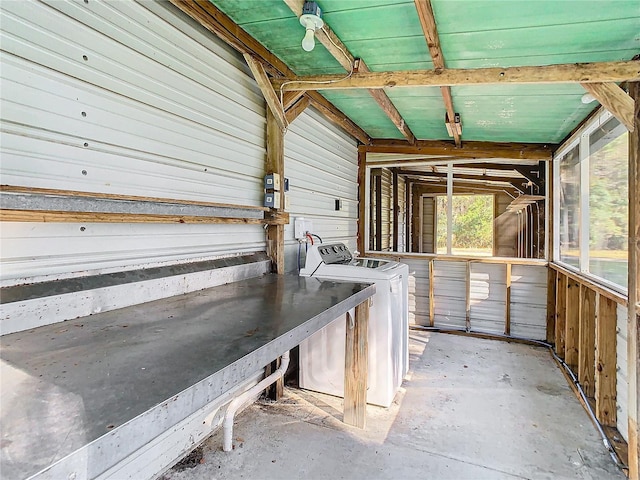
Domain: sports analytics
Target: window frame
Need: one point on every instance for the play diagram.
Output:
(579, 139)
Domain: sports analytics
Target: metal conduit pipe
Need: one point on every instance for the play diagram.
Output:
(583, 397)
(237, 402)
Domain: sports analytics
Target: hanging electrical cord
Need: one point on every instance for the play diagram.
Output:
(326, 81)
(299, 248)
(317, 236)
(605, 440)
(309, 236)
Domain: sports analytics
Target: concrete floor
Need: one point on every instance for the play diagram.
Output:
(469, 409)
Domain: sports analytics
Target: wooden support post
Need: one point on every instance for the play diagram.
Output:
(572, 327)
(633, 331)
(395, 209)
(275, 233)
(432, 298)
(561, 314)
(551, 305)
(586, 351)
(356, 367)
(606, 361)
(507, 303)
(362, 205)
(468, 297)
(378, 223)
(275, 164)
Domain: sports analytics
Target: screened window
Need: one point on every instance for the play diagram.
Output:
(609, 202)
(570, 208)
(593, 208)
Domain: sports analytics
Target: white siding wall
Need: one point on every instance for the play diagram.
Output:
(321, 164)
(124, 98)
(622, 387)
(529, 301)
(450, 292)
(487, 297)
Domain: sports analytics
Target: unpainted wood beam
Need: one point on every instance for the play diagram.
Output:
(633, 322)
(547, 74)
(474, 150)
(217, 22)
(614, 99)
(573, 325)
(343, 56)
(269, 94)
(587, 341)
(462, 176)
(430, 30)
(606, 360)
(296, 109)
(289, 98)
(561, 314)
(356, 367)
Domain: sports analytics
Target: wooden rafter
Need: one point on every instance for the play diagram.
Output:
(341, 53)
(472, 180)
(270, 96)
(475, 150)
(464, 176)
(549, 74)
(297, 108)
(218, 23)
(289, 98)
(430, 30)
(614, 99)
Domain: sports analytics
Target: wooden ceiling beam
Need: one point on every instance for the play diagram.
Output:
(297, 108)
(289, 98)
(463, 176)
(463, 184)
(340, 52)
(269, 94)
(547, 74)
(336, 116)
(221, 25)
(430, 30)
(474, 150)
(614, 99)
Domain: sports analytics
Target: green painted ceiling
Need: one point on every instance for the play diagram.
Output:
(387, 35)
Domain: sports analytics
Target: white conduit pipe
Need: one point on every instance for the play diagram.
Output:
(237, 402)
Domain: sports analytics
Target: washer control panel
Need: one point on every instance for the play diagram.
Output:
(334, 253)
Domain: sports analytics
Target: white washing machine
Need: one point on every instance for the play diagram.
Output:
(322, 354)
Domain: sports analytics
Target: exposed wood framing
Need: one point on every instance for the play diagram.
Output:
(356, 367)
(218, 23)
(297, 108)
(468, 296)
(561, 314)
(587, 346)
(430, 30)
(614, 99)
(343, 56)
(466, 176)
(466, 185)
(432, 296)
(289, 98)
(275, 164)
(395, 208)
(507, 302)
(572, 327)
(115, 196)
(633, 322)
(362, 206)
(605, 394)
(475, 150)
(101, 217)
(552, 281)
(269, 94)
(337, 117)
(604, 291)
(548, 74)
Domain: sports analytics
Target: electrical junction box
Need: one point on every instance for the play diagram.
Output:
(301, 227)
(272, 199)
(272, 181)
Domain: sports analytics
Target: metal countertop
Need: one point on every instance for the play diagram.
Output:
(134, 372)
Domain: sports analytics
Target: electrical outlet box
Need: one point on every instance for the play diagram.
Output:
(286, 184)
(272, 181)
(272, 199)
(287, 202)
(338, 204)
(301, 227)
